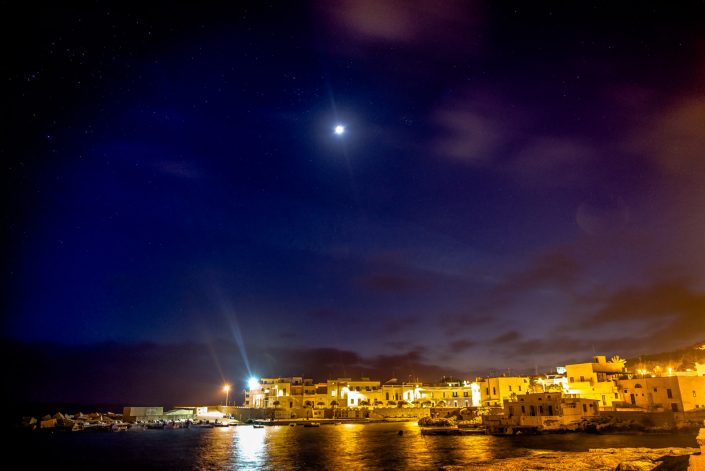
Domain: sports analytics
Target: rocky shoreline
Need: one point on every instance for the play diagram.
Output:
(620, 459)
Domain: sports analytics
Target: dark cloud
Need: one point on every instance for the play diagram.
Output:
(556, 268)
(419, 23)
(461, 345)
(553, 267)
(390, 283)
(674, 304)
(672, 136)
(397, 325)
(562, 349)
(193, 373)
(507, 337)
(470, 130)
(461, 324)
(551, 162)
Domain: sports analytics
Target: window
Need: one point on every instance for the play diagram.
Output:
(616, 395)
(523, 409)
(582, 378)
(572, 380)
(540, 410)
(520, 387)
(487, 391)
(655, 390)
(465, 394)
(584, 408)
(674, 407)
(510, 388)
(693, 393)
(532, 411)
(494, 390)
(669, 393)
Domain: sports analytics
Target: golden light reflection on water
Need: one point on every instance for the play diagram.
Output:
(353, 446)
(249, 445)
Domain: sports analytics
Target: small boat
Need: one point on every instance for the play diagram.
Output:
(292, 424)
(258, 426)
(205, 425)
(221, 424)
(312, 424)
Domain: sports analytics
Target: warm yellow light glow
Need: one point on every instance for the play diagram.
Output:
(226, 388)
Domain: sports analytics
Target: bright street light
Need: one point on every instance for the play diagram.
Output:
(226, 388)
(252, 383)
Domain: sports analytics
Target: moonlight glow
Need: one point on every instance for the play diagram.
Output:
(339, 130)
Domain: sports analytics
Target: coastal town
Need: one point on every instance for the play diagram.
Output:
(563, 399)
(600, 395)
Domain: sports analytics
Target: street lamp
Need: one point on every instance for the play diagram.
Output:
(226, 388)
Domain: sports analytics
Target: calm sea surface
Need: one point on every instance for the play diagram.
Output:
(346, 446)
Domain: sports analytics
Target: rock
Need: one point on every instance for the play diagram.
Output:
(640, 465)
(609, 459)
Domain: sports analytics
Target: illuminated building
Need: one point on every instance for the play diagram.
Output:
(542, 411)
(664, 393)
(348, 393)
(597, 380)
(298, 393)
(454, 394)
(291, 392)
(495, 390)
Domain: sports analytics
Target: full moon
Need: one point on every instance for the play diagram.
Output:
(339, 130)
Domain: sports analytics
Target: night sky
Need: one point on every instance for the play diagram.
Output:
(519, 185)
